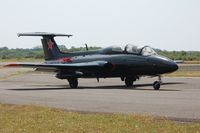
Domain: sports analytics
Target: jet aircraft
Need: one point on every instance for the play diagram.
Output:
(129, 64)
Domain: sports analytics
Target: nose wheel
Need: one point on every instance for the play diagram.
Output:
(157, 84)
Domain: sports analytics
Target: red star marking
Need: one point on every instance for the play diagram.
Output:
(50, 44)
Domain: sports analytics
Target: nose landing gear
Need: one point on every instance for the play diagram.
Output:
(156, 84)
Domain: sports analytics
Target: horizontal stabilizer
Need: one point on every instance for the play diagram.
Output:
(42, 34)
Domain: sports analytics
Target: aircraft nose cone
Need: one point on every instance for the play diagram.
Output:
(176, 67)
(173, 66)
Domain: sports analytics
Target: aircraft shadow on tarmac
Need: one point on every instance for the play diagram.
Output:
(122, 87)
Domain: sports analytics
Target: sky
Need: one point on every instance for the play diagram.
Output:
(163, 24)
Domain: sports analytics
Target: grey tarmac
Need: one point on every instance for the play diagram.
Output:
(178, 98)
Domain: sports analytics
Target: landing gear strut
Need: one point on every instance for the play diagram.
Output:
(73, 82)
(156, 84)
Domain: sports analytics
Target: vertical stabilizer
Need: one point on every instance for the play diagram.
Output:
(51, 50)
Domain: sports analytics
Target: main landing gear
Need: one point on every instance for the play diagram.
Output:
(156, 84)
(129, 81)
(73, 82)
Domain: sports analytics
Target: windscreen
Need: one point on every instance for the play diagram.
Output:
(146, 51)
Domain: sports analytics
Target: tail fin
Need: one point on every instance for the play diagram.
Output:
(51, 50)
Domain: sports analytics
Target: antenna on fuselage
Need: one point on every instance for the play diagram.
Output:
(86, 47)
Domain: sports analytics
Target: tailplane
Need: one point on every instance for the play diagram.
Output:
(51, 50)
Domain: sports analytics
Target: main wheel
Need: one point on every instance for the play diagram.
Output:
(73, 82)
(156, 85)
(129, 82)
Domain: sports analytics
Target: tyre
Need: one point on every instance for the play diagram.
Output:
(73, 82)
(129, 82)
(156, 85)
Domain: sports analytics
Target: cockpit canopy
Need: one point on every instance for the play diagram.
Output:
(145, 50)
(112, 50)
(130, 49)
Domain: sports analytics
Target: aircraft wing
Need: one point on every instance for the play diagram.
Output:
(89, 66)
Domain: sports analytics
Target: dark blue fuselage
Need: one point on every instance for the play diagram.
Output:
(123, 65)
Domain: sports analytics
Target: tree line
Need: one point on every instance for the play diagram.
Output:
(181, 55)
(37, 53)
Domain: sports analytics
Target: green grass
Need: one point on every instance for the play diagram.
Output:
(191, 62)
(33, 119)
(184, 74)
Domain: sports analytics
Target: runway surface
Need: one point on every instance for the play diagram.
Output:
(178, 98)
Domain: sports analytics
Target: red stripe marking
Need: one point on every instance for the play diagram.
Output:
(12, 65)
(66, 59)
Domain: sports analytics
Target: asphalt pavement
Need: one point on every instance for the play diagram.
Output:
(178, 98)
